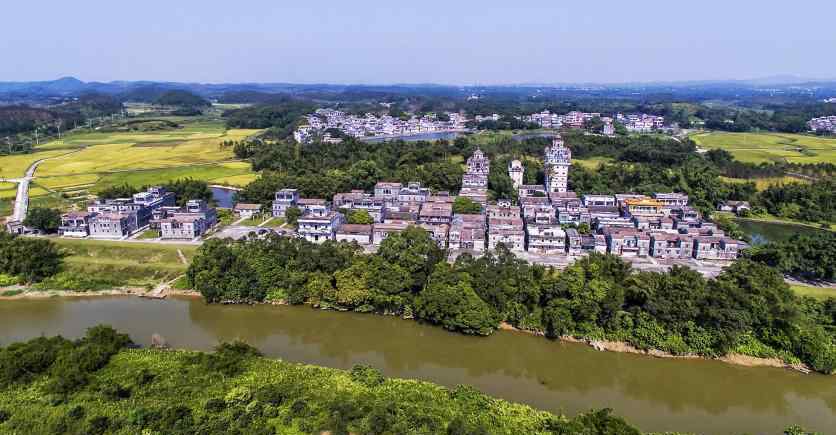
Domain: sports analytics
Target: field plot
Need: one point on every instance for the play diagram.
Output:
(15, 166)
(771, 147)
(140, 152)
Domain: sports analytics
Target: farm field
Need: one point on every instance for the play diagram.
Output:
(15, 166)
(137, 153)
(771, 147)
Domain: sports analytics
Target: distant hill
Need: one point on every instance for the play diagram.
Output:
(181, 98)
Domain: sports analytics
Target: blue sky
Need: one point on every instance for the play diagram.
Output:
(428, 41)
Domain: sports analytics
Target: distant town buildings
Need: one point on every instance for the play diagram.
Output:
(826, 124)
(370, 125)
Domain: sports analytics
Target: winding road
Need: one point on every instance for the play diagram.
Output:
(22, 198)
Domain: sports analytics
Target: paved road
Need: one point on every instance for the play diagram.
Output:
(22, 198)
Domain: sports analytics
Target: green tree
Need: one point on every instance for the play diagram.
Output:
(45, 219)
(449, 300)
(292, 215)
(415, 252)
(361, 217)
(464, 205)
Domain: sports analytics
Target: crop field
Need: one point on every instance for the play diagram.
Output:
(771, 147)
(15, 166)
(138, 153)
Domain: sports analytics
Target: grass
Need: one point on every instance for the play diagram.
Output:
(763, 183)
(126, 263)
(771, 147)
(814, 292)
(592, 162)
(148, 234)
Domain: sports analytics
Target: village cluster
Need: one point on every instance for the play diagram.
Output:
(633, 122)
(370, 125)
(545, 221)
(823, 124)
(154, 209)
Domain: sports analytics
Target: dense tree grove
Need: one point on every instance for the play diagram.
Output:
(45, 219)
(184, 189)
(748, 308)
(279, 117)
(807, 257)
(180, 98)
(29, 259)
(814, 202)
(99, 385)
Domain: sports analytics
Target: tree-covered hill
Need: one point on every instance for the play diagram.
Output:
(97, 385)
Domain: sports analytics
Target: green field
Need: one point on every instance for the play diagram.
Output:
(771, 147)
(814, 292)
(763, 183)
(83, 163)
(104, 264)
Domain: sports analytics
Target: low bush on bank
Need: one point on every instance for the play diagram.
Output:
(98, 385)
(746, 308)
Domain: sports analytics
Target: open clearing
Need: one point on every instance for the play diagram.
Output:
(131, 262)
(83, 163)
(814, 292)
(763, 183)
(771, 147)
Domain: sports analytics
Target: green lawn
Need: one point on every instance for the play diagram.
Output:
(771, 147)
(814, 292)
(148, 234)
(123, 263)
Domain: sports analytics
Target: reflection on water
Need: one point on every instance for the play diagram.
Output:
(654, 394)
(765, 232)
(223, 197)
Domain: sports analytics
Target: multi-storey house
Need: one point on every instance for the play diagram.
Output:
(284, 199)
(109, 225)
(716, 248)
(75, 224)
(627, 242)
(467, 232)
(671, 246)
(384, 230)
(362, 234)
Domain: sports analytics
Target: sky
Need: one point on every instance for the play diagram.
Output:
(427, 41)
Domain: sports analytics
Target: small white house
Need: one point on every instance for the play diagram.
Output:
(245, 210)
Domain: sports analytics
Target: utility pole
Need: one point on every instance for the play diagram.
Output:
(59, 128)
(37, 141)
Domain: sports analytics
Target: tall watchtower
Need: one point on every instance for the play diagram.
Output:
(556, 164)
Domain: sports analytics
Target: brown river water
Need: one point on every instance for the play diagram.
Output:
(652, 393)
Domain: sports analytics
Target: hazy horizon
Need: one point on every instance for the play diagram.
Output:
(448, 43)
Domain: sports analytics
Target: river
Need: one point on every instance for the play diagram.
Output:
(654, 394)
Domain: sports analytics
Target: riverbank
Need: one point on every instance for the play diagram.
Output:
(24, 293)
(237, 390)
(600, 345)
(556, 376)
(624, 347)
